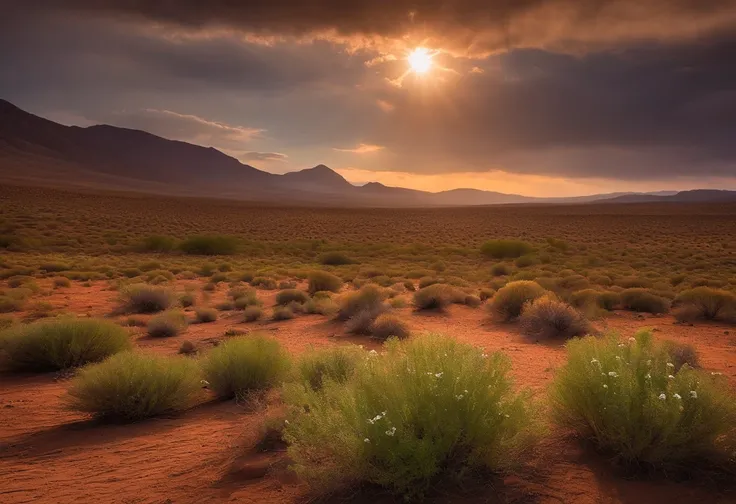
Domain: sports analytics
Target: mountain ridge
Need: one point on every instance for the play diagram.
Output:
(37, 150)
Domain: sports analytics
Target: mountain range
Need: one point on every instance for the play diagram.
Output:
(37, 151)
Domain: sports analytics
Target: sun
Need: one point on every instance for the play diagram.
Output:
(420, 60)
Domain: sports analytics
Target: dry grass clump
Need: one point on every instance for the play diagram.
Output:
(387, 326)
(186, 300)
(209, 245)
(142, 298)
(643, 300)
(205, 315)
(335, 259)
(369, 298)
(435, 297)
(243, 365)
(705, 303)
(132, 386)
(282, 313)
(167, 324)
(550, 318)
(187, 348)
(287, 296)
(63, 343)
(321, 306)
(503, 249)
(681, 354)
(508, 302)
(252, 313)
(323, 281)
(61, 282)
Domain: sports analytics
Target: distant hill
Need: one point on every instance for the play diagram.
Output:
(36, 151)
(694, 196)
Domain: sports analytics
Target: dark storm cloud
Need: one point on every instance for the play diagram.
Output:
(614, 89)
(472, 25)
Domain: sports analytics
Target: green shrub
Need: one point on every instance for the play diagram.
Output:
(386, 326)
(187, 348)
(287, 296)
(486, 294)
(62, 343)
(397, 302)
(628, 399)
(681, 354)
(187, 300)
(282, 313)
(548, 318)
(8, 304)
(167, 324)
(409, 285)
(209, 245)
(508, 302)
(434, 297)
(205, 315)
(431, 408)
(472, 301)
(335, 363)
(642, 300)
(61, 282)
(225, 306)
(264, 283)
(334, 259)
(525, 261)
(368, 299)
(503, 249)
(243, 365)
(588, 298)
(132, 386)
(361, 322)
(427, 281)
(609, 300)
(252, 313)
(244, 302)
(142, 298)
(706, 303)
(321, 306)
(158, 243)
(323, 281)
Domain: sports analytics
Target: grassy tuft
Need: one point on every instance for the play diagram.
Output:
(434, 297)
(642, 300)
(209, 245)
(508, 302)
(142, 298)
(287, 296)
(629, 399)
(323, 281)
(205, 315)
(336, 364)
(430, 409)
(132, 386)
(549, 318)
(387, 326)
(503, 249)
(167, 324)
(252, 313)
(243, 365)
(706, 303)
(62, 343)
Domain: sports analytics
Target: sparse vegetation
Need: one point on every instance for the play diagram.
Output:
(629, 400)
(167, 324)
(242, 365)
(290, 295)
(209, 245)
(252, 313)
(324, 281)
(430, 388)
(387, 325)
(334, 259)
(282, 313)
(706, 303)
(642, 300)
(502, 249)
(205, 315)
(550, 318)
(141, 298)
(336, 364)
(132, 386)
(508, 302)
(63, 343)
(435, 297)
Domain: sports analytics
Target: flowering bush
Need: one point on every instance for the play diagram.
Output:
(629, 399)
(427, 408)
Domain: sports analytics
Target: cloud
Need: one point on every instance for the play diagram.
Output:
(262, 156)
(362, 148)
(385, 105)
(469, 26)
(188, 127)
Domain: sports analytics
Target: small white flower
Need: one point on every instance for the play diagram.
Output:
(286, 422)
(204, 382)
(458, 397)
(366, 440)
(618, 357)
(506, 416)
(716, 374)
(465, 391)
(613, 374)
(605, 386)
(649, 362)
(372, 353)
(693, 394)
(662, 397)
(677, 396)
(632, 340)
(391, 431)
(621, 345)
(648, 376)
(485, 356)
(383, 413)
(594, 361)
(438, 375)
(670, 365)
(670, 377)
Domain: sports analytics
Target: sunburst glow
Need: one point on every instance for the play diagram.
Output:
(420, 60)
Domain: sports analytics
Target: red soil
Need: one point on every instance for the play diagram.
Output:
(50, 455)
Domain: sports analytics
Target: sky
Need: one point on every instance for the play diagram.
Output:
(534, 97)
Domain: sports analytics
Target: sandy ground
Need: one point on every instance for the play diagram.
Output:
(206, 455)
